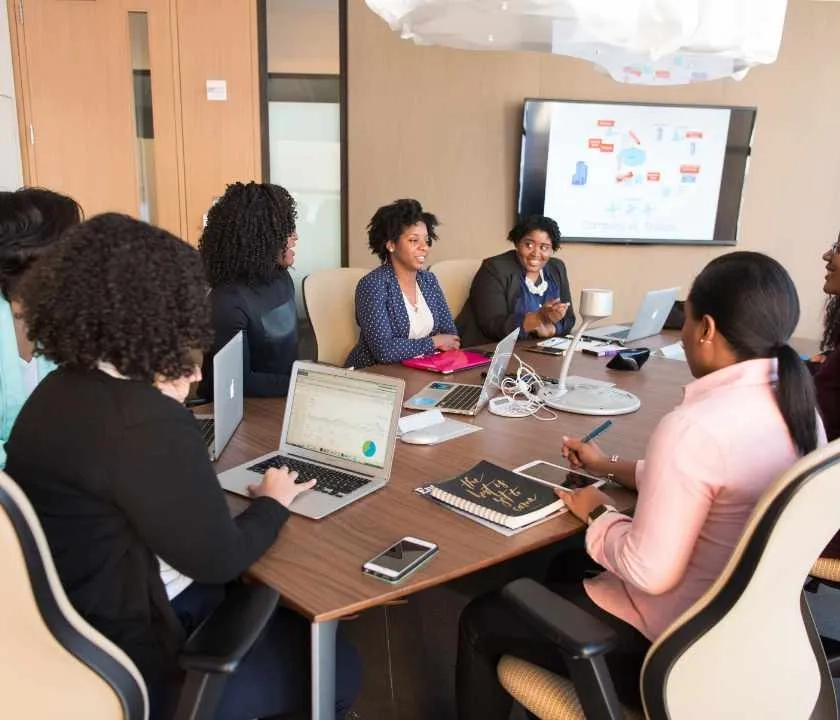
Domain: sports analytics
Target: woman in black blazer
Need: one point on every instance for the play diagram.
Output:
(525, 287)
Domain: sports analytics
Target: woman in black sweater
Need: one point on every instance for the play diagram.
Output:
(247, 248)
(118, 471)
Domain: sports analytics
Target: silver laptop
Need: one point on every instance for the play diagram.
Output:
(340, 427)
(649, 320)
(218, 428)
(461, 398)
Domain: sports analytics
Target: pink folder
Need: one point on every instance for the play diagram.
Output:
(448, 361)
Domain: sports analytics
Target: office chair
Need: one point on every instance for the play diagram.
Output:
(748, 648)
(329, 297)
(826, 571)
(55, 665)
(455, 278)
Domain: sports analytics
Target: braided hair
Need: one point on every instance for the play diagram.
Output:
(247, 231)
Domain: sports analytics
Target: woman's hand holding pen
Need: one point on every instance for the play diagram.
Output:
(584, 454)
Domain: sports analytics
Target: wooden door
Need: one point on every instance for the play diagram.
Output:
(76, 75)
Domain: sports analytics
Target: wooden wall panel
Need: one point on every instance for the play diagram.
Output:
(443, 125)
(221, 140)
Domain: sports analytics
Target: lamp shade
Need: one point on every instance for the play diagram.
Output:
(595, 304)
(648, 42)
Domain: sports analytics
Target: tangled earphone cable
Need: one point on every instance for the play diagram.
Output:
(523, 392)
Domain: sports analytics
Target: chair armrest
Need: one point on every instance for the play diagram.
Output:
(228, 633)
(195, 402)
(577, 633)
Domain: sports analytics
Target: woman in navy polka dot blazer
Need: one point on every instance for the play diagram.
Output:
(400, 309)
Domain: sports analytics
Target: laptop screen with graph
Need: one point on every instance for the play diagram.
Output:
(348, 418)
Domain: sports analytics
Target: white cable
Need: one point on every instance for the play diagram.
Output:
(522, 392)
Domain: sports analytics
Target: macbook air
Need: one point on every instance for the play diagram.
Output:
(218, 428)
(339, 427)
(461, 398)
(649, 320)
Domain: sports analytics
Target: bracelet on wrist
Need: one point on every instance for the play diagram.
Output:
(613, 459)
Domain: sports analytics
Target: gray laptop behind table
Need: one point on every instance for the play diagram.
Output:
(218, 428)
(649, 320)
(340, 427)
(461, 398)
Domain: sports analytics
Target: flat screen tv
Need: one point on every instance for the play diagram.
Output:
(635, 173)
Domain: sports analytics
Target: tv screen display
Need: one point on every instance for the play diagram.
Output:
(635, 173)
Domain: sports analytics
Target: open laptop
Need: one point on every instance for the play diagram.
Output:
(340, 426)
(218, 428)
(649, 320)
(461, 398)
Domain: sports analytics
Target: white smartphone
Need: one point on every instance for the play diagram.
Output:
(558, 476)
(402, 558)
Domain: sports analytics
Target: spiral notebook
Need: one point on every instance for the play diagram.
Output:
(497, 495)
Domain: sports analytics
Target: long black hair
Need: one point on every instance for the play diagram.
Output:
(247, 230)
(756, 308)
(31, 219)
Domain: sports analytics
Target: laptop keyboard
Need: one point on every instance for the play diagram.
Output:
(330, 482)
(461, 397)
(207, 427)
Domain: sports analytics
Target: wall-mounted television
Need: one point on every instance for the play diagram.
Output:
(635, 173)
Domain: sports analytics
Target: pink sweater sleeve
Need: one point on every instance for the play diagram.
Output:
(676, 486)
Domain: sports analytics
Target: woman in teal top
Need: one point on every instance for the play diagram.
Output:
(31, 219)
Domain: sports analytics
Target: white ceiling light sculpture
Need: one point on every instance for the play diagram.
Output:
(649, 42)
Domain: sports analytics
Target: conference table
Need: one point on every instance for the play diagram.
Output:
(316, 566)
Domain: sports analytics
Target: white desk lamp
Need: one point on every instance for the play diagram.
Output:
(589, 398)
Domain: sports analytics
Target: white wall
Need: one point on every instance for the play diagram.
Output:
(11, 171)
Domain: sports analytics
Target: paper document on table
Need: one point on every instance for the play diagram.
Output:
(675, 351)
(595, 347)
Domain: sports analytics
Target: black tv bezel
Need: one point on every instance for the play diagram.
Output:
(530, 191)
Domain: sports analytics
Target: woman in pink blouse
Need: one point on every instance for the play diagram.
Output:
(748, 416)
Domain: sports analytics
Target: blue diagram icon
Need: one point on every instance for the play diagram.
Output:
(632, 156)
(581, 173)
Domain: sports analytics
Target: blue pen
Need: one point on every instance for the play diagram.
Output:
(592, 434)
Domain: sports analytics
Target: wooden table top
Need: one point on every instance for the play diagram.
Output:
(317, 565)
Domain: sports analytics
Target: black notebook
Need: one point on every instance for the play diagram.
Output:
(498, 495)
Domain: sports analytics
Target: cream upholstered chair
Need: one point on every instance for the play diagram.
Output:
(330, 300)
(455, 278)
(55, 665)
(748, 648)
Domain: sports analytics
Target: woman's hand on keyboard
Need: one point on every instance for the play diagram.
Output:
(280, 485)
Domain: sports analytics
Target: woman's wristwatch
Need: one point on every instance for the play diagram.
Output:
(598, 511)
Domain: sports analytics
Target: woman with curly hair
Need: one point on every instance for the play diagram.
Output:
(247, 248)
(400, 309)
(31, 219)
(526, 287)
(118, 471)
(826, 366)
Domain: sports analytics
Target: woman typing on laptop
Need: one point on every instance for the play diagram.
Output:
(400, 309)
(748, 417)
(118, 472)
(525, 288)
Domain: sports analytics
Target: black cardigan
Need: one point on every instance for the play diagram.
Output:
(267, 316)
(118, 474)
(488, 316)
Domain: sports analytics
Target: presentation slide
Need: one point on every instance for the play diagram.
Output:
(652, 172)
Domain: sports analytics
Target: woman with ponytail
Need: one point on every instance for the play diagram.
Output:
(746, 418)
